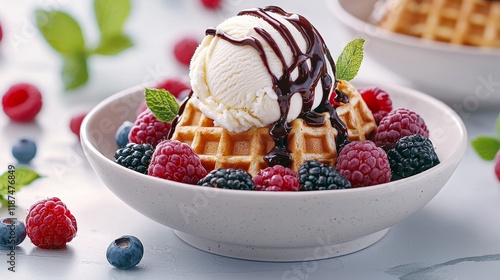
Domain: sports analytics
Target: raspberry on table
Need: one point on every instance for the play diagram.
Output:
(135, 157)
(314, 175)
(12, 232)
(22, 102)
(184, 50)
(125, 252)
(24, 150)
(49, 224)
(276, 178)
(378, 101)
(235, 179)
(76, 123)
(1, 33)
(176, 161)
(397, 124)
(411, 155)
(176, 87)
(497, 165)
(148, 129)
(364, 164)
(211, 4)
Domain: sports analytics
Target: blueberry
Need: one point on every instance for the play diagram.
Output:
(121, 135)
(12, 232)
(24, 150)
(125, 252)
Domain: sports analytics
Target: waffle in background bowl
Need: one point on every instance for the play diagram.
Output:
(463, 22)
(217, 147)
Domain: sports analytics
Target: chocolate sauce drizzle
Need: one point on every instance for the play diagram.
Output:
(305, 83)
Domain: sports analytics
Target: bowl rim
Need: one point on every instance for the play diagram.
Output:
(372, 30)
(455, 156)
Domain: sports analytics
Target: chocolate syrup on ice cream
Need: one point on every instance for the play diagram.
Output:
(305, 83)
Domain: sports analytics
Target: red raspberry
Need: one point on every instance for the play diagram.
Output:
(176, 161)
(49, 224)
(76, 123)
(378, 101)
(184, 50)
(1, 33)
(397, 124)
(497, 165)
(176, 87)
(148, 129)
(22, 102)
(211, 4)
(276, 178)
(364, 164)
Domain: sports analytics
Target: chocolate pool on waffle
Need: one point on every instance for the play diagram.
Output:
(465, 22)
(217, 147)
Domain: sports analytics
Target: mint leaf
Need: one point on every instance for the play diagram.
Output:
(162, 103)
(61, 31)
(113, 45)
(111, 16)
(486, 147)
(20, 176)
(74, 71)
(350, 59)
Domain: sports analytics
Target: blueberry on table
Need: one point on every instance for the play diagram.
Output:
(125, 252)
(24, 150)
(12, 232)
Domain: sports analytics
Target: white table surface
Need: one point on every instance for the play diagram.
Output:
(455, 236)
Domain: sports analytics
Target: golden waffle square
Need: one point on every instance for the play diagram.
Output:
(219, 148)
(464, 22)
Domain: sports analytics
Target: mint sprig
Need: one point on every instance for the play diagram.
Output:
(20, 177)
(487, 146)
(63, 33)
(162, 103)
(349, 60)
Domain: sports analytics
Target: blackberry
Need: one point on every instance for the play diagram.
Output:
(411, 155)
(236, 179)
(314, 175)
(135, 156)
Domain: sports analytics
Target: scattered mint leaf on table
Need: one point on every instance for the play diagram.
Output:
(349, 60)
(22, 177)
(487, 146)
(74, 72)
(61, 31)
(162, 103)
(111, 16)
(113, 45)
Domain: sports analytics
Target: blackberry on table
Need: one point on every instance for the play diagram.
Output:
(314, 175)
(411, 155)
(135, 156)
(236, 179)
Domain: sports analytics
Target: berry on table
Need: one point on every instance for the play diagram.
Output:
(135, 157)
(364, 164)
(211, 4)
(12, 232)
(148, 129)
(125, 252)
(397, 124)
(184, 50)
(378, 101)
(121, 135)
(176, 161)
(276, 178)
(22, 102)
(24, 150)
(497, 165)
(236, 179)
(176, 87)
(314, 175)
(1, 33)
(411, 155)
(49, 224)
(76, 123)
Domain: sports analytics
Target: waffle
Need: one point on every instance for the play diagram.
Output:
(464, 22)
(219, 148)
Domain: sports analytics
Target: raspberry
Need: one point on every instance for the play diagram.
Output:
(176, 87)
(314, 175)
(378, 102)
(1, 33)
(411, 155)
(76, 123)
(176, 161)
(235, 179)
(397, 124)
(22, 102)
(211, 4)
(49, 224)
(364, 164)
(148, 129)
(184, 50)
(497, 165)
(135, 157)
(276, 178)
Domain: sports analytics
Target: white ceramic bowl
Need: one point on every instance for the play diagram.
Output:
(465, 77)
(274, 226)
